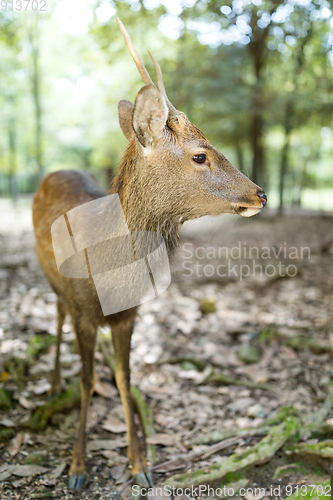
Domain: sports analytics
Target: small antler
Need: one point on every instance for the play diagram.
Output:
(139, 64)
(143, 72)
(172, 110)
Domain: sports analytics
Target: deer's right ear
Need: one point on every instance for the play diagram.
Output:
(149, 116)
(125, 110)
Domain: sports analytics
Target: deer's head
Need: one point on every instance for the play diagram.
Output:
(177, 162)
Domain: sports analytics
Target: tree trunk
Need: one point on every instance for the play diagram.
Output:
(240, 157)
(257, 49)
(13, 187)
(36, 95)
(284, 166)
(257, 148)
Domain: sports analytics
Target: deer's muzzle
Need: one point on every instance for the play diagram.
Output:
(248, 211)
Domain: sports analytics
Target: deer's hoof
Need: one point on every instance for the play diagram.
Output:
(144, 479)
(76, 481)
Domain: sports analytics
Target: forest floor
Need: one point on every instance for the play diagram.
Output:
(214, 328)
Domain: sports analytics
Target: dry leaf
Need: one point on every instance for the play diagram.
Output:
(114, 425)
(15, 445)
(102, 444)
(163, 439)
(105, 389)
(25, 403)
(110, 454)
(117, 471)
(7, 422)
(42, 387)
(5, 475)
(4, 376)
(51, 478)
(26, 470)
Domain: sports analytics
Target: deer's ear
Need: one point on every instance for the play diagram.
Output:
(125, 110)
(149, 116)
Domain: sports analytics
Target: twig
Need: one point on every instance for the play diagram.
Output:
(219, 377)
(260, 453)
(147, 421)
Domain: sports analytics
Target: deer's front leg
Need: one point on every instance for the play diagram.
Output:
(55, 380)
(121, 335)
(86, 337)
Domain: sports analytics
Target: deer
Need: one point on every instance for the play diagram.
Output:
(169, 174)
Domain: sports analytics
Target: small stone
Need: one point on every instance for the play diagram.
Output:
(208, 305)
(256, 411)
(248, 354)
(240, 404)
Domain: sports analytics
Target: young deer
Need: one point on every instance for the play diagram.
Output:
(169, 174)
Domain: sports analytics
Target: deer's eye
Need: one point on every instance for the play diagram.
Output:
(199, 158)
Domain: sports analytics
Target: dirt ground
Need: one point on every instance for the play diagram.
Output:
(212, 318)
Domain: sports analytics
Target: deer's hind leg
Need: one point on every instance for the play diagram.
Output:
(55, 380)
(86, 337)
(121, 336)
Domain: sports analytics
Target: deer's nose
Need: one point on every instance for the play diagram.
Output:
(263, 198)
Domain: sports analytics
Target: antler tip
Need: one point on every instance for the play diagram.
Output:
(121, 26)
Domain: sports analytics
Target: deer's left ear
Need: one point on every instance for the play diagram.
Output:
(149, 116)
(125, 110)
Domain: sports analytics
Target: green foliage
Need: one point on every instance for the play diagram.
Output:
(5, 400)
(38, 344)
(255, 77)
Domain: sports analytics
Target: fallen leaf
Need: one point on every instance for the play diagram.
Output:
(114, 425)
(7, 422)
(5, 475)
(25, 403)
(42, 387)
(15, 445)
(72, 371)
(117, 471)
(102, 444)
(26, 470)
(4, 376)
(52, 477)
(110, 454)
(163, 439)
(126, 476)
(105, 389)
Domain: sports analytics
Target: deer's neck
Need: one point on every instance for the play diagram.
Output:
(143, 208)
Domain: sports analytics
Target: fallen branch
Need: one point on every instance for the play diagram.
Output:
(66, 401)
(301, 343)
(200, 365)
(183, 460)
(218, 377)
(220, 435)
(260, 453)
(319, 454)
(147, 421)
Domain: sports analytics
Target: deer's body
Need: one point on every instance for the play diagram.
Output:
(170, 173)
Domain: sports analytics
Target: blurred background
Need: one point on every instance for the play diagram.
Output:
(255, 76)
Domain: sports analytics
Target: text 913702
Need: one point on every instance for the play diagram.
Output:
(23, 5)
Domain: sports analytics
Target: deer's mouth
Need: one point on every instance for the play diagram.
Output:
(247, 211)
(251, 210)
